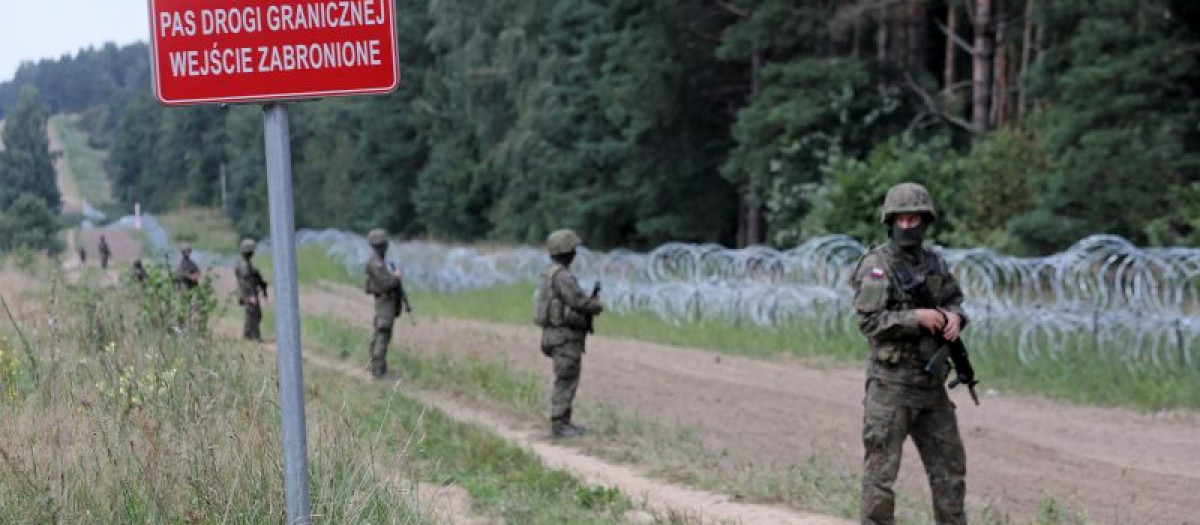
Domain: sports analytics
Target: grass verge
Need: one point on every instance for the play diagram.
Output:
(205, 229)
(112, 417)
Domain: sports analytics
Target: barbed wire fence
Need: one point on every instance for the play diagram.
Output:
(1103, 298)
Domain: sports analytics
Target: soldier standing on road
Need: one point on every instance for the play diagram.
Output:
(901, 399)
(565, 314)
(187, 274)
(250, 283)
(105, 253)
(388, 288)
(82, 255)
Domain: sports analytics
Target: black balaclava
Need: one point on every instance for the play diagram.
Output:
(381, 249)
(564, 259)
(909, 238)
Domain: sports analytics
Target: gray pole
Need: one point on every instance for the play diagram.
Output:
(287, 320)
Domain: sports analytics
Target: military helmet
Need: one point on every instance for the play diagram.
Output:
(248, 246)
(377, 237)
(185, 248)
(906, 197)
(562, 241)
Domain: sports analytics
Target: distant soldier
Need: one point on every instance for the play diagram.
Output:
(565, 314)
(250, 283)
(387, 285)
(187, 274)
(105, 253)
(82, 255)
(902, 399)
(139, 271)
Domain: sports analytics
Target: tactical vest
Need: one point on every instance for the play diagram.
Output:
(910, 351)
(550, 311)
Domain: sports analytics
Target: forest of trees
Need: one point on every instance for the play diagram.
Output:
(1034, 123)
(29, 197)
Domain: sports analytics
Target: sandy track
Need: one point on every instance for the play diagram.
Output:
(1118, 465)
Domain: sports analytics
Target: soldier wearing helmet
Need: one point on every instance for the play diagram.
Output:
(387, 286)
(565, 314)
(250, 283)
(187, 274)
(105, 252)
(903, 400)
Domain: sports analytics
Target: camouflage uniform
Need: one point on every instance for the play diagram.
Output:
(187, 274)
(565, 314)
(105, 253)
(388, 290)
(250, 282)
(901, 399)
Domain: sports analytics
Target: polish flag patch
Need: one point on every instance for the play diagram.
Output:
(877, 273)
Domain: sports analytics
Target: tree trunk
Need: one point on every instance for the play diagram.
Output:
(999, 113)
(948, 72)
(916, 35)
(1026, 55)
(981, 72)
(881, 38)
(750, 225)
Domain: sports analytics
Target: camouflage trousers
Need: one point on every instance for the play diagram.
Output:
(893, 412)
(250, 328)
(379, 344)
(568, 365)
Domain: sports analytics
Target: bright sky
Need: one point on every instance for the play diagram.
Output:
(31, 30)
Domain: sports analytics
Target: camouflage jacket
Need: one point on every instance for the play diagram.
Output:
(186, 273)
(384, 285)
(250, 281)
(887, 313)
(562, 308)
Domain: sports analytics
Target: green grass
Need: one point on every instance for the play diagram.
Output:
(205, 229)
(86, 162)
(119, 419)
(313, 266)
(503, 480)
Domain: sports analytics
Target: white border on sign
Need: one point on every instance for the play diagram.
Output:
(280, 96)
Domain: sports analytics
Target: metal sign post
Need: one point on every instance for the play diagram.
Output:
(287, 317)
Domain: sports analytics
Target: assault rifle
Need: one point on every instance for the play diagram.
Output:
(595, 294)
(257, 279)
(955, 350)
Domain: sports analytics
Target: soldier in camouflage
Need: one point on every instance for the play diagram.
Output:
(565, 314)
(105, 252)
(901, 399)
(187, 274)
(250, 283)
(388, 288)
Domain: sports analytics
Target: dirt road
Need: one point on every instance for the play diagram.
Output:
(1117, 465)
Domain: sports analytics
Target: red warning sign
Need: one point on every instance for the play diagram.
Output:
(209, 51)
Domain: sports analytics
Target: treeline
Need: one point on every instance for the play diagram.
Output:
(29, 197)
(1034, 122)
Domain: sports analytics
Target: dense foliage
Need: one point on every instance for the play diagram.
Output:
(29, 197)
(739, 122)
